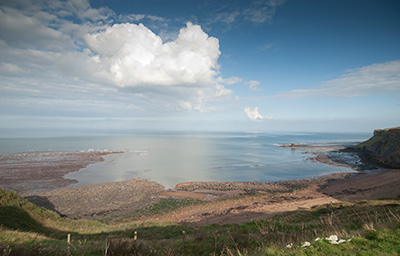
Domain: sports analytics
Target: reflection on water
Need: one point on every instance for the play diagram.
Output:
(173, 159)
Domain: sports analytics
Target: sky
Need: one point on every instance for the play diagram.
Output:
(107, 66)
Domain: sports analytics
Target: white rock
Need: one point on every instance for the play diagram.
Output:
(332, 238)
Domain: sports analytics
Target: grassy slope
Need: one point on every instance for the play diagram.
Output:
(378, 137)
(374, 226)
(382, 149)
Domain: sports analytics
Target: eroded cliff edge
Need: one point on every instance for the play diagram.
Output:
(383, 148)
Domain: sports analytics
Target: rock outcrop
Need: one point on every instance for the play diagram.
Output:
(383, 148)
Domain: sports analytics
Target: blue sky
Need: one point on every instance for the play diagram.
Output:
(265, 66)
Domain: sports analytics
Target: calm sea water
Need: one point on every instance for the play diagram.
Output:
(171, 158)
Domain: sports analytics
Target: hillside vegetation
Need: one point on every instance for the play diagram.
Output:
(361, 228)
(383, 148)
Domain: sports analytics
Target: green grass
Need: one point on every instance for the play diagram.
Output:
(373, 226)
(165, 205)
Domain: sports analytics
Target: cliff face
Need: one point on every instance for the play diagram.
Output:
(383, 147)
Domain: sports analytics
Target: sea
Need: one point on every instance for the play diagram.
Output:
(170, 158)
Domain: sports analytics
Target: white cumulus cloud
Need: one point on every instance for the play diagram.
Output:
(134, 56)
(253, 113)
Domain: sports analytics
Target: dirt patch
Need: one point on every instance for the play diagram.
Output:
(27, 173)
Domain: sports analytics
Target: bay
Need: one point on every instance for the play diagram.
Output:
(174, 157)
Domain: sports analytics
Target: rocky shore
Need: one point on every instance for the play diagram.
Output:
(27, 173)
(259, 187)
(99, 201)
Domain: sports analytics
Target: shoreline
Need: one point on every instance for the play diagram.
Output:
(336, 155)
(28, 173)
(242, 201)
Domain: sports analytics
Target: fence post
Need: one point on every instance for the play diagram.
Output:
(68, 242)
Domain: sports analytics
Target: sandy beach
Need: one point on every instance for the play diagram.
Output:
(242, 201)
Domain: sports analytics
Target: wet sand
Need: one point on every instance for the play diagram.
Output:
(28, 173)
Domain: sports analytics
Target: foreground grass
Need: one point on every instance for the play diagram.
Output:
(367, 228)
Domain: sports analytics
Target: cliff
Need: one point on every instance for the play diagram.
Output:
(383, 148)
